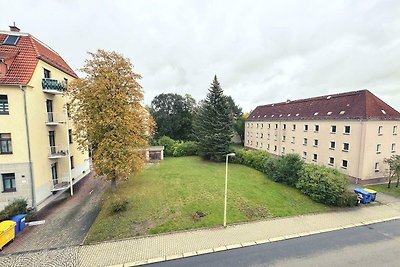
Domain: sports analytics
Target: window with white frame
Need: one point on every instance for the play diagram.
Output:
(378, 148)
(315, 157)
(332, 145)
(393, 147)
(305, 141)
(315, 142)
(276, 126)
(316, 129)
(275, 137)
(294, 127)
(268, 146)
(283, 138)
(333, 128)
(305, 127)
(331, 161)
(346, 129)
(395, 130)
(293, 139)
(304, 154)
(380, 129)
(376, 166)
(346, 147)
(283, 150)
(284, 126)
(275, 148)
(344, 164)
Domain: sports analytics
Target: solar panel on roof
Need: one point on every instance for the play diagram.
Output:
(11, 40)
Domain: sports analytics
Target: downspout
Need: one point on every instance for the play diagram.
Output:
(29, 151)
(68, 147)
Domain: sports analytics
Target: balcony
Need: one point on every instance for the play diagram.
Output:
(56, 152)
(52, 86)
(55, 118)
(77, 174)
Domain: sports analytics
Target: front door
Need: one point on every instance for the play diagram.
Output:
(54, 175)
(49, 107)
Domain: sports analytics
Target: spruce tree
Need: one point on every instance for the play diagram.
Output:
(214, 124)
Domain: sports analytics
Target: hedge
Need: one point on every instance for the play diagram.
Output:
(18, 206)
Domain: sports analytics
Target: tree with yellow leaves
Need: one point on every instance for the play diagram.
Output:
(109, 117)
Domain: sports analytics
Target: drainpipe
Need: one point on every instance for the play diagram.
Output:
(29, 151)
(68, 147)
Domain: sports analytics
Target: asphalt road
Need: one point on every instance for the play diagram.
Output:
(372, 245)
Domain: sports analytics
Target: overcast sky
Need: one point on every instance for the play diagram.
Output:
(261, 51)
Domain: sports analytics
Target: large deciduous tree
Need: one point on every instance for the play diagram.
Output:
(108, 115)
(214, 124)
(394, 169)
(173, 115)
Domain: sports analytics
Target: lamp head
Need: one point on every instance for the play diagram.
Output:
(230, 155)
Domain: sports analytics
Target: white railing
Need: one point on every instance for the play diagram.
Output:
(77, 174)
(58, 151)
(54, 118)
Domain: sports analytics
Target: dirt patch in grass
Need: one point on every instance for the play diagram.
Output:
(253, 212)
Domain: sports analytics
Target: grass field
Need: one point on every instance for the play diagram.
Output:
(187, 193)
(393, 190)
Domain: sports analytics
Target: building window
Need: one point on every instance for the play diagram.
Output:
(316, 128)
(376, 166)
(394, 130)
(275, 137)
(331, 161)
(344, 164)
(346, 147)
(378, 148)
(261, 135)
(251, 143)
(306, 128)
(47, 74)
(247, 141)
(257, 125)
(256, 144)
(283, 138)
(262, 125)
(305, 141)
(304, 154)
(333, 128)
(293, 139)
(71, 159)
(275, 148)
(70, 136)
(393, 147)
(276, 126)
(292, 150)
(5, 143)
(284, 126)
(9, 182)
(315, 142)
(380, 128)
(283, 150)
(268, 146)
(315, 157)
(346, 129)
(332, 145)
(260, 145)
(269, 125)
(268, 136)
(256, 135)
(294, 127)
(251, 125)
(3, 105)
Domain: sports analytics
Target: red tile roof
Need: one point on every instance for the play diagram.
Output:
(24, 56)
(351, 105)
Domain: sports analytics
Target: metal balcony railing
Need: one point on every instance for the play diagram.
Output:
(53, 86)
(58, 152)
(55, 118)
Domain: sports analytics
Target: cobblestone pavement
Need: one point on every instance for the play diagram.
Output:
(68, 219)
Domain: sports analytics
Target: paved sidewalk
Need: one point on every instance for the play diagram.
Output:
(136, 251)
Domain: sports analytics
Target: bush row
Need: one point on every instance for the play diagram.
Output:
(177, 148)
(322, 184)
(18, 206)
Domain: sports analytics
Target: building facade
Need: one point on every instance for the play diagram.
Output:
(353, 132)
(38, 155)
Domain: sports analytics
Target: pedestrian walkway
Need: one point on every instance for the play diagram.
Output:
(137, 251)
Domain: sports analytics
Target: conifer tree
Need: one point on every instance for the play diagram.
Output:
(214, 124)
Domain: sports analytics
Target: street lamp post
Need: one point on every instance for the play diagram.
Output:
(226, 184)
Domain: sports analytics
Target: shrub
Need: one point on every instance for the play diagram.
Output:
(321, 183)
(168, 143)
(347, 199)
(188, 148)
(286, 169)
(18, 206)
(119, 204)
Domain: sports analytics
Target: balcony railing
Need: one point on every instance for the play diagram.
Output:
(58, 152)
(77, 174)
(55, 118)
(53, 86)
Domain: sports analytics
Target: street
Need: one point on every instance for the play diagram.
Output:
(374, 245)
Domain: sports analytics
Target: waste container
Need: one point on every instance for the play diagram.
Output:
(373, 192)
(20, 222)
(7, 232)
(365, 197)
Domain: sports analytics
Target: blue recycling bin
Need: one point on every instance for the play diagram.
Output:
(20, 222)
(366, 197)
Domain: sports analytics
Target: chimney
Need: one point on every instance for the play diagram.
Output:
(14, 28)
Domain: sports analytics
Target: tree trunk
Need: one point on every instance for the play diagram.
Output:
(390, 181)
(113, 184)
(398, 177)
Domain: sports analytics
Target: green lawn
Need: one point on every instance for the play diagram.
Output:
(393, 190)
(170, 196)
